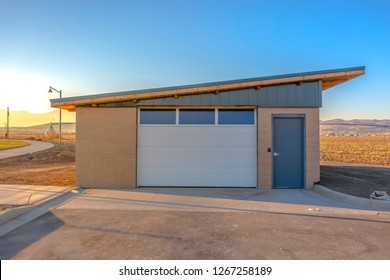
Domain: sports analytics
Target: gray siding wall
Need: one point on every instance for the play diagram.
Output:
(290, 95)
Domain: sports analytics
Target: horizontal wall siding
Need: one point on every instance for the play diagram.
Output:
(290, 95)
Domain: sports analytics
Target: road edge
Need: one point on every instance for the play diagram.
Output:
(16, 217)
(380, 205)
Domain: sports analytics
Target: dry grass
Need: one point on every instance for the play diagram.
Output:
(27, 135)
(9, 144)
(373, 150)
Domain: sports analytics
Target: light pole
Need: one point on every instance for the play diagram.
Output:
(60, 92)
(7, 131)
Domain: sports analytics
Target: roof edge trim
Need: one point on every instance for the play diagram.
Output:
(329, 79)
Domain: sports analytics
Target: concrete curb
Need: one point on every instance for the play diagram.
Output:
(12, 213)
(53, 196)
(380, 205)
(36, 211)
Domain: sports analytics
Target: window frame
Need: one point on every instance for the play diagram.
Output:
(177, 116)
(197, 109)
(158, 124)
(254, 117)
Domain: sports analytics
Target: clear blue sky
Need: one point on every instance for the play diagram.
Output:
(88, 47)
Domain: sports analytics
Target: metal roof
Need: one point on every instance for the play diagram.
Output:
(329, 79)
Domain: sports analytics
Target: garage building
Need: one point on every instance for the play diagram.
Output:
(259, 132)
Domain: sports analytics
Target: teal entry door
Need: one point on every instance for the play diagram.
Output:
(288, 152)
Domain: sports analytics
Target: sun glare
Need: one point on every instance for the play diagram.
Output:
(24, 92)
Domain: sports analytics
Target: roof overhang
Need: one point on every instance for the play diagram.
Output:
(329, 78)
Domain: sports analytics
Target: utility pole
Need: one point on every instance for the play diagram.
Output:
(60, 120)
(7, 131)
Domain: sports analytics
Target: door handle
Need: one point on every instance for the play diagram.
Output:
(276, 154)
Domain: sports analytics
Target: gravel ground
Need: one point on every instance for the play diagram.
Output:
(55, 167)
(357, 180)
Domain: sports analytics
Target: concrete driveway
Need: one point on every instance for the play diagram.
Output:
(151, 223)
(209, 200)
(28, 195)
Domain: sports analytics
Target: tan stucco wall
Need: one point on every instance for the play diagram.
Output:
(106, 147)
(264, 141)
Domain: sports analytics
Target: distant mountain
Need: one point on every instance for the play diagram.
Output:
(339, 121)
(355, 127)
(26, 119)
(363, 122)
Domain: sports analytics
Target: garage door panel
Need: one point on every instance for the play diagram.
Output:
(193, 150)
(192, 172)
(201, 157)
(193, 165)
(178, 136)
(225, 166)
(208, 156)
(206, 180)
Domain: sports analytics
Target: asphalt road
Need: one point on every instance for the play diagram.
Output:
(136, 234)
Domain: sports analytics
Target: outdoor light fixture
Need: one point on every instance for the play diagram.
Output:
(60, 92)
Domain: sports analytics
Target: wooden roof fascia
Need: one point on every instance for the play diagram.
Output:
(328, 80)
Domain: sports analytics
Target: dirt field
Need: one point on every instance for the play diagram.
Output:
(356, 165)
(55, 166)
(369, 150)
(354, 179)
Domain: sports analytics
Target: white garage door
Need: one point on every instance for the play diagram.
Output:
(197, 148)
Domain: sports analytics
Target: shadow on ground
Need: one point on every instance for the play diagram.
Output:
(14, 242)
